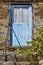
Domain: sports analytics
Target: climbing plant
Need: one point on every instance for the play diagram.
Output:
(37, 42)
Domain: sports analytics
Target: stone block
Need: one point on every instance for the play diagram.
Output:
(8, 63)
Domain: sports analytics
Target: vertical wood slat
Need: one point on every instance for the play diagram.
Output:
(30, 23)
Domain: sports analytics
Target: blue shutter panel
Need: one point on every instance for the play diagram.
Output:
(22, 29)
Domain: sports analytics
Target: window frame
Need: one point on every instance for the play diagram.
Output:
(12, 21)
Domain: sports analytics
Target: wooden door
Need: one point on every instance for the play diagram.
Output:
(21, 24)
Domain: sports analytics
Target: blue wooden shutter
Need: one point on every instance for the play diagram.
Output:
(21, 24)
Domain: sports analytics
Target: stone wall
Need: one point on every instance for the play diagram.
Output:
(4, 19)
(37, 16)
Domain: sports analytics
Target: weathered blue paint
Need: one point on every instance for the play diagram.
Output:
(11, 25)
(23, 30)
(20, 6)
(30, 23)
